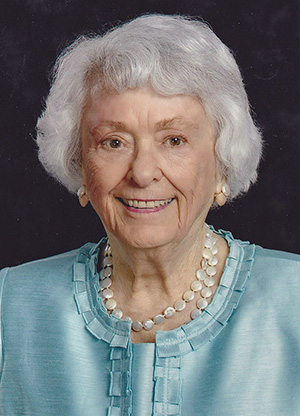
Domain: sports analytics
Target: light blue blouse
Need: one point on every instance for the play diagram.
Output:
(63, 355)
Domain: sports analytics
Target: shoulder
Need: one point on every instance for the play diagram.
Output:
(50, 271)
(35, 269)
(276, 261)
(37, 298)
(277, 255)
(272, 280)
(262, 261)
(274, 285)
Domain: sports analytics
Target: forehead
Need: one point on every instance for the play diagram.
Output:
(116, 109)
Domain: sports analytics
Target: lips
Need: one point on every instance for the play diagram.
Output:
(145, 204)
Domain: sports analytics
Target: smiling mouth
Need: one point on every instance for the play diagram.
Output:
(145, 204)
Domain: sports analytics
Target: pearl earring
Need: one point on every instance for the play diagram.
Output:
(82, 196)
(221, 197)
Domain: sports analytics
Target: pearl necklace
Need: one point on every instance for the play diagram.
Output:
(203, 284)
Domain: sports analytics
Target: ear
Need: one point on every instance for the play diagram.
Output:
(82, 196)
(82, 192)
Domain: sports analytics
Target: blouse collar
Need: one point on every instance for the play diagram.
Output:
(178, 341)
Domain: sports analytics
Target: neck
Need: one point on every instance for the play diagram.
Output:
(163, 271)
(146, 281)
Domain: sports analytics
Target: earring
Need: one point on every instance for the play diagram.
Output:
(82, 196)
(222, 195)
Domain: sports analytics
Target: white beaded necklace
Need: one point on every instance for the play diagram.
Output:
(203, 284)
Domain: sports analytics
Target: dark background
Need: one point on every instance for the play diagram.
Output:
(40, 218)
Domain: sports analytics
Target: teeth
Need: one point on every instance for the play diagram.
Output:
(146, 204)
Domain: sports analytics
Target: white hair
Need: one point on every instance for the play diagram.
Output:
(173, 54)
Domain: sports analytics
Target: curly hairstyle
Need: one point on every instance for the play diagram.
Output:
(174, 55)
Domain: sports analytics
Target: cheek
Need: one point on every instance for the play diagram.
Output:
(207, 173)
(197, 178)
(102, 177)
(95, 176)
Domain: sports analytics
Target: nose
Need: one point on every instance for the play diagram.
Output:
(144, 168)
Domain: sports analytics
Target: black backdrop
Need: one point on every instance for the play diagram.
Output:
(40, 218)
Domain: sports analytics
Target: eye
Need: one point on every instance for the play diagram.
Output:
(113, 143)
(175, 141)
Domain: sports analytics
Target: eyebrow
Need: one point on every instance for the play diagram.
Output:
(116, 125)
(175, 122)
(166, 123)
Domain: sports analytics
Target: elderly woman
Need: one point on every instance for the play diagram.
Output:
(150, 124)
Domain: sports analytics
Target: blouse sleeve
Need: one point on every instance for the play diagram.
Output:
(3, 274)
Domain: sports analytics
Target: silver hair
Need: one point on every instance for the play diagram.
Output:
(173, 54)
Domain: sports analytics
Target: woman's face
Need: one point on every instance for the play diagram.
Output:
(149, 165)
